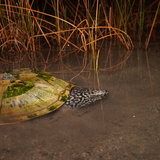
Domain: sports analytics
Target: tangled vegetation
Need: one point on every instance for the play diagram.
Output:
(28, 26)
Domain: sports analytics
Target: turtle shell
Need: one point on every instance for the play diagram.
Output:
(29, 93)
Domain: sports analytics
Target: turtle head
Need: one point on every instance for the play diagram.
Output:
(80, 96)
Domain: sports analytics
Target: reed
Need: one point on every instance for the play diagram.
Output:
(84, 25)
(152, 26)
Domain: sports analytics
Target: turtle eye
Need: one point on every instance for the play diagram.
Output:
(12, 81)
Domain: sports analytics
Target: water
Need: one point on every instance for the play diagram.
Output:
(123, 126)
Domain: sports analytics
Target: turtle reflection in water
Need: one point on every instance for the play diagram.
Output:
(30, 93)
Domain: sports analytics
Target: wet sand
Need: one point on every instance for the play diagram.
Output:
(124, 126)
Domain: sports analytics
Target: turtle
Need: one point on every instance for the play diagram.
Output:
(29, 93)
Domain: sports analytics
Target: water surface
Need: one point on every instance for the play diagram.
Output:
(124, 126)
